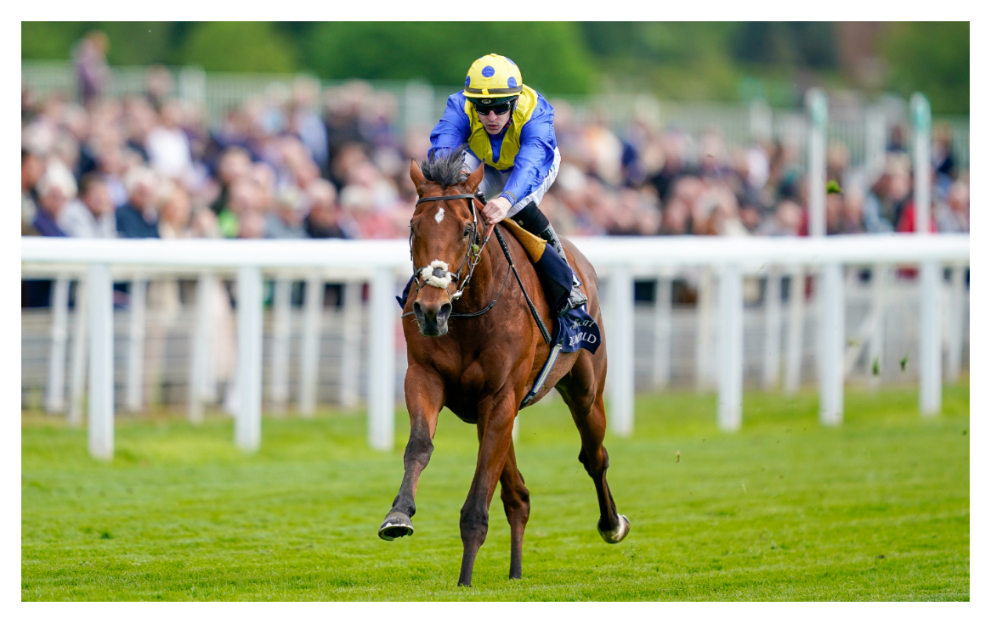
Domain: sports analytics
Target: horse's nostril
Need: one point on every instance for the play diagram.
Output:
(445, 311)
(417, 308)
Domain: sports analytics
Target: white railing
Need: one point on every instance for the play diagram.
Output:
(385, 265)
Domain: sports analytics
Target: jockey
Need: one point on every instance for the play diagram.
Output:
(510, 127)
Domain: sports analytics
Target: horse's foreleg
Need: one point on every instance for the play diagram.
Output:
(495, 437)
(516, 501)
(424, 399)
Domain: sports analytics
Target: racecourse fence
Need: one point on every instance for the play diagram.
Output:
(674, 347)
(846, 340)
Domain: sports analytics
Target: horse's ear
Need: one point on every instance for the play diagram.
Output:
(416, 174)
(476, 178)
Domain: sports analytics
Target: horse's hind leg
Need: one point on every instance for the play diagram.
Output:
(516, 501)
(583, 395)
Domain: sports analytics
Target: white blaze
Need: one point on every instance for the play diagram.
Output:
(440, 215)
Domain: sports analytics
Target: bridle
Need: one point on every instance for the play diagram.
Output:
(473, 253)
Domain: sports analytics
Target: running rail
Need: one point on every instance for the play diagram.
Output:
(385, 265)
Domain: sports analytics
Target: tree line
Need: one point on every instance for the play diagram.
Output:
(685, 60)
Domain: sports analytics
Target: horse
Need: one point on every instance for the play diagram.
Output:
(481, 365)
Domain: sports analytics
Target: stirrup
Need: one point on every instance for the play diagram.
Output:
(575, 300)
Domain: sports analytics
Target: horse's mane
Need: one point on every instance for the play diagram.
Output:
(443, 168)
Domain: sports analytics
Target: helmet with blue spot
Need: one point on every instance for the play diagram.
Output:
(493, 77)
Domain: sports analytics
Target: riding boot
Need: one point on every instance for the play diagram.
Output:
(576, 298)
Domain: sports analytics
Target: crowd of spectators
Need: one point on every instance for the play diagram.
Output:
(300, 163)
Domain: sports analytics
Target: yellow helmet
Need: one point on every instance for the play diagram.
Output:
(493, 76)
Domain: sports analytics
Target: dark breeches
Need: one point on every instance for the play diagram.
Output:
(532, 219)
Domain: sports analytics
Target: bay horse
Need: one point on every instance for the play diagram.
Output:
(482, 365)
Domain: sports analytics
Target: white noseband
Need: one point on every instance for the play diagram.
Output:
(433, 280)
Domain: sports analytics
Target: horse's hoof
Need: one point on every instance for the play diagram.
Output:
(395, 525)
(617, 535)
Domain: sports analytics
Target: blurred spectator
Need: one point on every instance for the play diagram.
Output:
(305, 123)
(32, 168)
(786, 220)
(286, 220)
(296, 161)
(174, 214)
(158, 86)
(324, 218)
(90, 61)
(943, 160)
(242, 201)
(168, 146)
(138, 218)
(55, 189)
(234, 164)
(953, 215)
(92, 214)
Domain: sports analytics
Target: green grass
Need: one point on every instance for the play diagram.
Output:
(785, 509)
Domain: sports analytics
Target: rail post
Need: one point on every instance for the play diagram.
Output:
(350, 369)
(200, 347)
(703, 344)
(382, 361)
(772, 329)
(101, 362)
(77, 371)
(55, 391)
(815, 102)
(310, 351)
(730, 410)
(619, 345)
(248, 422)
(796, 330)
(831, 344)
(136, 344)
(281, 342)
(930, 275)
(880, 276)
(954, 350)
(662, 332)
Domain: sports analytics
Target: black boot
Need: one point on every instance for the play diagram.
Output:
(576, 299)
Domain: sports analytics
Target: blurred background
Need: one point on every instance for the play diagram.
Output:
(283, 130)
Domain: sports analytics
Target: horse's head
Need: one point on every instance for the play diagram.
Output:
(442, 232)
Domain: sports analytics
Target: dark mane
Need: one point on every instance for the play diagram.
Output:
(445, 168)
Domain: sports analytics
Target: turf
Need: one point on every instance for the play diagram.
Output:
(785, 509)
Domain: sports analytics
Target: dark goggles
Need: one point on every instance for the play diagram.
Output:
(500, 109)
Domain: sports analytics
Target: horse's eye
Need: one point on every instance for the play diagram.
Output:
(467, 231)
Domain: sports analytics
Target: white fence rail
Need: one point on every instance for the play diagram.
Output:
(385, 265)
